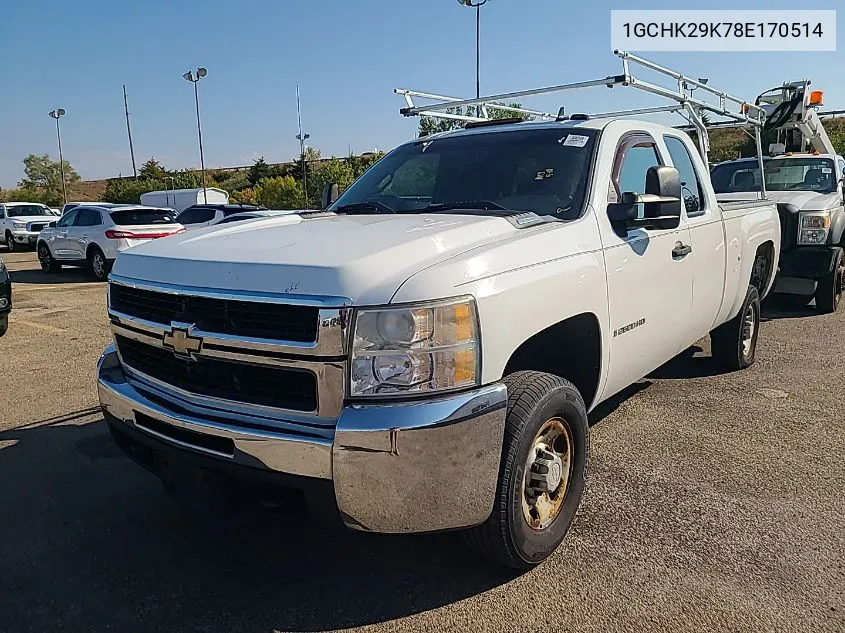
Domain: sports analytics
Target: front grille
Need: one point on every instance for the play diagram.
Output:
(36, 227)
(280, 387)
(224, 316)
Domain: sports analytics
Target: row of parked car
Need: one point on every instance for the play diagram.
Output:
(92, 234)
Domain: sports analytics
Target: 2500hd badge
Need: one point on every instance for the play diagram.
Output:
(628, 328)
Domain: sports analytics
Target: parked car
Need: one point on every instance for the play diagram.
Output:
(200, 215)
(5, 298)
(93, 235)
(251, 215)
(180, 199)
(21, 222)
(55, 211)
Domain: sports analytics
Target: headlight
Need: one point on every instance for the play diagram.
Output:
(813, 227)
(19, 226)
(415, 350)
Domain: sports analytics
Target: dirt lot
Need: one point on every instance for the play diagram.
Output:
(714, 502)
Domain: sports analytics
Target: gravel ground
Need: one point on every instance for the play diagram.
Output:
(714, 502)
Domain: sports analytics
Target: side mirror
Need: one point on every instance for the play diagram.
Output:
(661, 203)
(329, 195)
(51, 225)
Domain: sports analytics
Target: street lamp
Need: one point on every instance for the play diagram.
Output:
(189, 76)
(477, 6)
(56, 114)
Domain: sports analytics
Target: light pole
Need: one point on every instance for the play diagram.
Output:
(302, 138)
(201, 72)
(477, 6)
(56, 114)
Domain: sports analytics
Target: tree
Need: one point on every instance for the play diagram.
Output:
(432, 125)
(312, 159)
(44, 176)
(336, 170)
(259, 171)
(152, 170)
(279, 193)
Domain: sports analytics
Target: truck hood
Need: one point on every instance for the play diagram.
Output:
(807, 200)
(364, 258)
(35, 218)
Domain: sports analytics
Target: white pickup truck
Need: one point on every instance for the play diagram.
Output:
(423, 355)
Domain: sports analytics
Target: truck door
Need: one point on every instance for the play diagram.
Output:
(707, 235)
(649, 276)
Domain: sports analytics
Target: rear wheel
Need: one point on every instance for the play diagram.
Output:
(10, 242)
(829, 291)
(45, 258)
(542, 472)
(734, 344)
(98, 264)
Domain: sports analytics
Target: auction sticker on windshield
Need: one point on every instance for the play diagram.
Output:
(575, 140)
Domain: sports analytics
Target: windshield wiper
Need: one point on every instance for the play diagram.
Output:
(481, 205)
(357, 207)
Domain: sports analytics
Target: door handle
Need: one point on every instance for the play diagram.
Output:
(681, 250)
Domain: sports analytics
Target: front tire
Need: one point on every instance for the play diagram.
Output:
(829, 291)
(542, 472)
(734, 344)
(45, 258)
(10, 242)
(98, 264)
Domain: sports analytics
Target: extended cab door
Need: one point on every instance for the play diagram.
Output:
(707, 234)
(649, 274)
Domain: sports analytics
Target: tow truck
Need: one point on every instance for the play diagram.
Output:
(805, 177)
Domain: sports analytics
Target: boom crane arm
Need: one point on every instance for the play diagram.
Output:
(790, 108)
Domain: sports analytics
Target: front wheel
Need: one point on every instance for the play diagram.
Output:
(45, 258)
(829, 291)
(734, 344)
(10, 242)
(542, 472)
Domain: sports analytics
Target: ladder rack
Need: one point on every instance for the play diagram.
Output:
(746, 114)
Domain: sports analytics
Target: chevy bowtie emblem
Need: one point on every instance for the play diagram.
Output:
(179, 339)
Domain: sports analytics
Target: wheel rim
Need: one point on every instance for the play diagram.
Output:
(839, 285)
(547, 474)
(99, 265)
(44, 257)
(749, 328)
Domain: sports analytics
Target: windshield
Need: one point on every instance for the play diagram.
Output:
(24, 210)
(135, 217)
(782, 174)
(540, 170)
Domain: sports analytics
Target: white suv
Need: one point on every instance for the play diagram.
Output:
(94, 235)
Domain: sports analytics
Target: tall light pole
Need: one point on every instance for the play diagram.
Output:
(129, 132)
(201, 72)
(58, 112)
(302, 138)
(477, 6)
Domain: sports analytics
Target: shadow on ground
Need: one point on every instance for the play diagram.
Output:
(91, 542)
(38, 276)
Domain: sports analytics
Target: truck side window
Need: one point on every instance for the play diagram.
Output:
(691, 190)
(635, 155)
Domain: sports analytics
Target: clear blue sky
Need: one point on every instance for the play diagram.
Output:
(347, 55)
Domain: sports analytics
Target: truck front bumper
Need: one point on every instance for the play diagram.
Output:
(415, 466)
(801, 267)
(28, 238)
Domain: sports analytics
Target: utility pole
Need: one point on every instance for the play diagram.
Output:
(56, 114)
(129, 132)
(302, 138)
(477, 4)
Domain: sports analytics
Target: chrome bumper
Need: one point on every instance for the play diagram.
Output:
(26, 237)
(407, 467)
